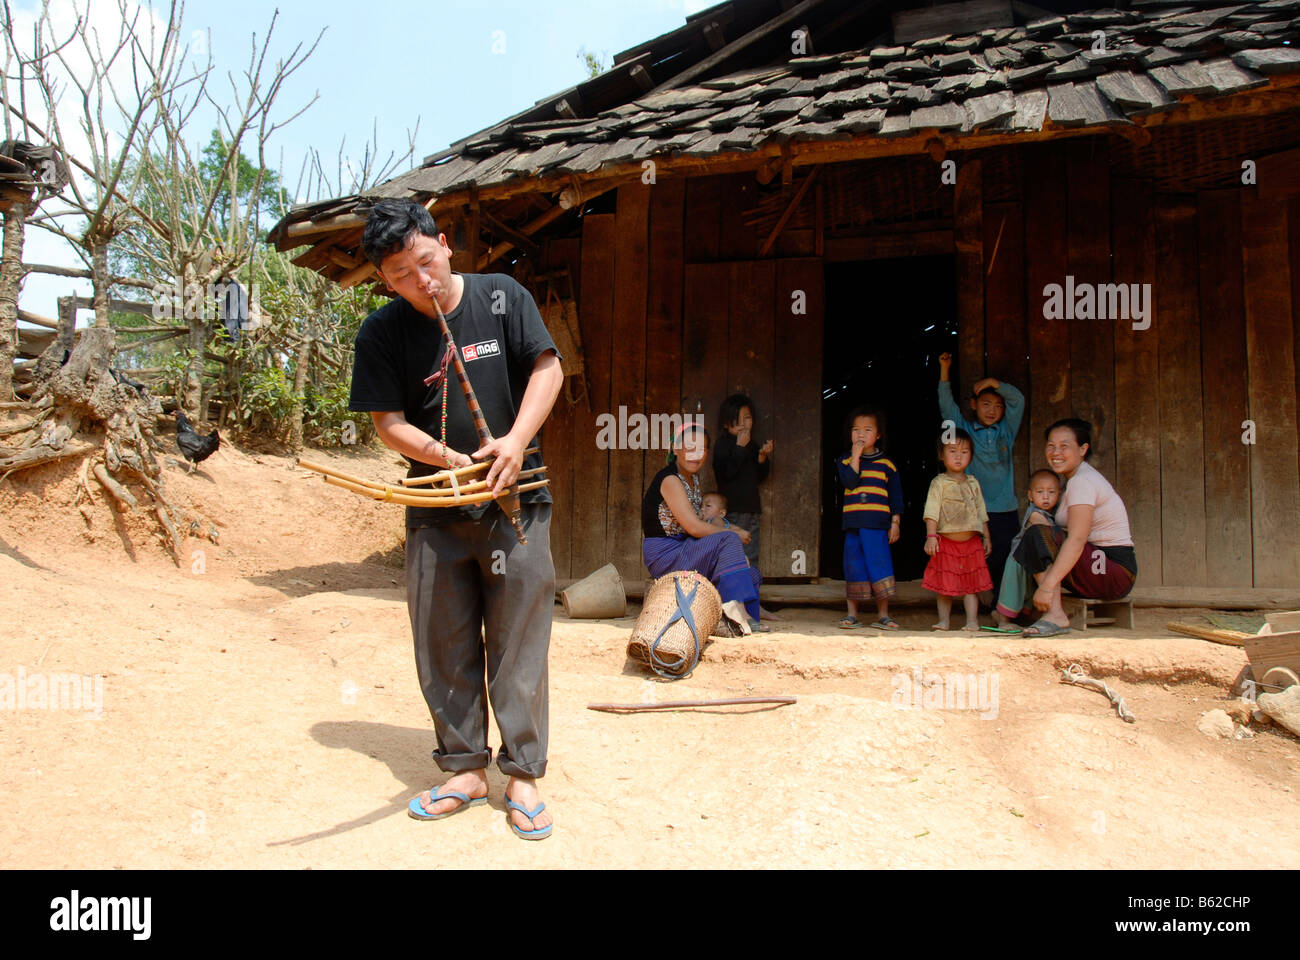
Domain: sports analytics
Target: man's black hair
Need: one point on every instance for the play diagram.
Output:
(729, 412)
(1081, 429)
(392, 226)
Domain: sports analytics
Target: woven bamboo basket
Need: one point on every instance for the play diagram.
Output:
(662, 638)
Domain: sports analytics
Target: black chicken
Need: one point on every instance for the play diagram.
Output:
(194, 446)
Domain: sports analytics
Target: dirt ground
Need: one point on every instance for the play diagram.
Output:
(260, 709)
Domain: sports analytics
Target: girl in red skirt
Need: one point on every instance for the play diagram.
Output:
(955, 522)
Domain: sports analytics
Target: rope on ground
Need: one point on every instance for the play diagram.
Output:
(679, 704)
(1075, 674)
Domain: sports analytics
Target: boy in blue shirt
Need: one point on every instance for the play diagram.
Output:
(993, 420)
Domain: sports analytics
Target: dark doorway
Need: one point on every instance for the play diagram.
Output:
(887, 321)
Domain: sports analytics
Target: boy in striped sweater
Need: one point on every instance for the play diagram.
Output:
(873, 509)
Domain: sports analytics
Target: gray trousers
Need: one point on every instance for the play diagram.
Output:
(481, 604)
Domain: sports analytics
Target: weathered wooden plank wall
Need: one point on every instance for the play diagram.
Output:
(1092, 344)
(676, 313)
(1225, 405)
(1048, 391)
(558, 433)
(1270, 350)
(1182, 457)
(590, 546)
(627, 370)
(1006, 336)
(1137, 371)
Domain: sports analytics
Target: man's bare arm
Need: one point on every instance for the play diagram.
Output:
(401, 435)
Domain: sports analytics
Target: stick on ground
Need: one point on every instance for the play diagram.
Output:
(679, 704)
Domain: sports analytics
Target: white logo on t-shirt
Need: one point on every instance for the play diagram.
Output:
(488, 348)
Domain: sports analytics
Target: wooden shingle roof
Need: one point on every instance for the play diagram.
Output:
(1104, 68)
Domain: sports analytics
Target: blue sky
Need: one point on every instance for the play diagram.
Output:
(392, 61)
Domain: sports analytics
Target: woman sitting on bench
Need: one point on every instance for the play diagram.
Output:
(1094, 556)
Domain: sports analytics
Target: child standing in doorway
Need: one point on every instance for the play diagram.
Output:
(955, 521)
(994, 412)
(873, 509)
(740, 464)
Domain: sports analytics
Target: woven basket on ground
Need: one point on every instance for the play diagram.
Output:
(663, 637)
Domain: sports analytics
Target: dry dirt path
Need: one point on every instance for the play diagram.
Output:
(263, 712)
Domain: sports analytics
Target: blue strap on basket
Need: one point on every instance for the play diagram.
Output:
(684, 601)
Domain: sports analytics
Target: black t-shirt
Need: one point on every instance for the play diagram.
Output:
(500, 335)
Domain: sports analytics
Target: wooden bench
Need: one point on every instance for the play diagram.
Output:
(1098, 613)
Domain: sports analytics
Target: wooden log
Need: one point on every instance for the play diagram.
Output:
(591, 471)
(1270, 349)
(36, 320)
(1229, 559)
(627, 373)
(1137, 369)
(1232, 638)
(1182, 460)
(1092, 345)
(968, 239)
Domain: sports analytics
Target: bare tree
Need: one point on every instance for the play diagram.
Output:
(133, 91)
(187, 237)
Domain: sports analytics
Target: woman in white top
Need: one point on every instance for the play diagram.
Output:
(1094, 556)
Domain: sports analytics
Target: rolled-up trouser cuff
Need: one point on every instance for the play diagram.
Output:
(460, 762)
(532, 771)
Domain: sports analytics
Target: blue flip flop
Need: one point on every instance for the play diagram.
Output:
(1045, 628)
(418, 812)
(540, 833)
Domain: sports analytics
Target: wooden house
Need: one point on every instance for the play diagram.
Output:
(809, 201)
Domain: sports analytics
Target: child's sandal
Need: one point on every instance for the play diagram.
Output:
(848, 623)
(886, 623)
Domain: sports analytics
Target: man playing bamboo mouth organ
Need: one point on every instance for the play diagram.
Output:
(480, 601)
